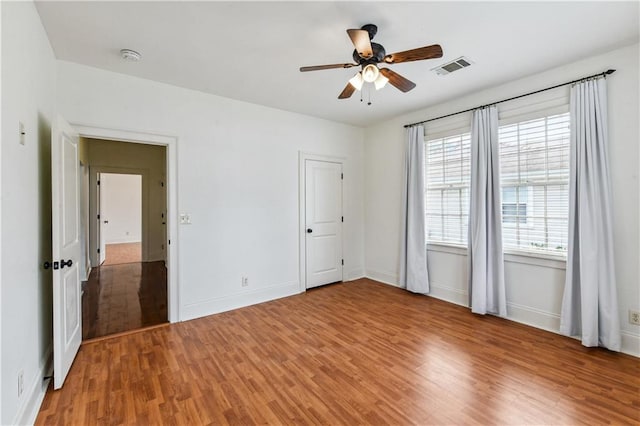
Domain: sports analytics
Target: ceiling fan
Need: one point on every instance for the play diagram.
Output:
(368, 55)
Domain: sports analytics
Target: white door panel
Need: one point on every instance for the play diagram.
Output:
(67, 315)
(323, 224)
(102, 219)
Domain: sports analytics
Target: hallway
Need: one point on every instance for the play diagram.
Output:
(124, 297)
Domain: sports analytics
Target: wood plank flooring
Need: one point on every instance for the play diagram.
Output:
(124, 297)
(122, 253)
(346, 354)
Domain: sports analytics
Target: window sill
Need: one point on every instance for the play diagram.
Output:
(537, 259)
(447, 248)
(510, 256)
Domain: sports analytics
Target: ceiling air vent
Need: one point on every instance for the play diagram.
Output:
(455, 65)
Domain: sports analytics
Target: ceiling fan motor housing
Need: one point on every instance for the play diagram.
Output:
(378, 55)
(371, 29)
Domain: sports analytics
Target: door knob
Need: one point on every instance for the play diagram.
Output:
(67, 263)
(106, 221)
(309, 230)
(50, 265)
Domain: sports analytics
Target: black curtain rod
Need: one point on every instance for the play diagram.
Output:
(602, 74)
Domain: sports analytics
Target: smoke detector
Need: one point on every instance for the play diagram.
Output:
(130, 55)
(455, 65)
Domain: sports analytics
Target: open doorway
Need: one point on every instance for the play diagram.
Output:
(120, 223)
(126, 287)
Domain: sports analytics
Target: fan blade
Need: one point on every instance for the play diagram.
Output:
(326, 67)
(427, 52)
(362, 43)
(397, 80)
(347, 92)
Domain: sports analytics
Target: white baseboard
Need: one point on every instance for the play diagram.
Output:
(87, 273)
(533, 317)
(238, 300)
(124, 241)
(390, 278)
(354, 274)
(449, 294)
(36, 389)
(630, 344)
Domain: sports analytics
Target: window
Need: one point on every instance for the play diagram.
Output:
(448, 167)
(534, 163)
(534, 167)
(514, 204)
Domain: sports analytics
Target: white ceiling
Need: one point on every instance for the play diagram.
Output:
(251, 51)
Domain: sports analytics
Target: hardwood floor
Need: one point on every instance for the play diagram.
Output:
(124, 297)
(353, 353)
(122, 253)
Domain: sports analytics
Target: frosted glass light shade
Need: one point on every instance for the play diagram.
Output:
(370, 73)
(380, 82)
(357, 81)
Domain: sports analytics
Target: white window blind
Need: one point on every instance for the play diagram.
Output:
(534, 163)
(448, 167)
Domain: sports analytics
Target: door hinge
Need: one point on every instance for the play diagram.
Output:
(98, 216)
(98, 250)
(341, 175)
(98, 183)
(342, 218)
(342, 262)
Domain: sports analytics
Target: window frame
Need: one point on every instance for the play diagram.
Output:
(539, 105)
(460, 186)
(517, 182)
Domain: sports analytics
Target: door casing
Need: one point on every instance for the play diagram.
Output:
(93, 200)
(171, 142)
(302, 254)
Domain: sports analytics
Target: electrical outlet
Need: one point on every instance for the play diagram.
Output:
(185, 219)
(245, 281)
(634, 317)
(20, 383)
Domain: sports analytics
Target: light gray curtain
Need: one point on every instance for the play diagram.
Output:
(486, 261)
(590, 303)
(413, 249)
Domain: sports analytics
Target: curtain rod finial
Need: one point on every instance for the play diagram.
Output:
(609, 71)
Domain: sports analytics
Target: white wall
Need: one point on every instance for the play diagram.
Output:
(28, 81)
(123, 199)
(534, 288)
(237, 178)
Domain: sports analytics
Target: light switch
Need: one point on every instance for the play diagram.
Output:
(185, 219)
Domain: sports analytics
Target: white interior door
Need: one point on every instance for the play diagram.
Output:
(102, 219)
(323, 224)
(67, 314)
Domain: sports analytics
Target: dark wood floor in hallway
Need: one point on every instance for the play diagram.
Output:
(119, 298)
(346, 354)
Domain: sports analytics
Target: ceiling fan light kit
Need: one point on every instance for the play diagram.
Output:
(380, 82)
(370, 73)
(357, 81)
(368, 55)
